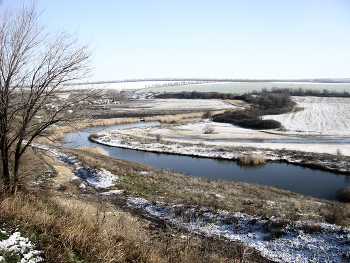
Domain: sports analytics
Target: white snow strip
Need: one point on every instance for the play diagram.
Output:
(329, 244)
(112, 192)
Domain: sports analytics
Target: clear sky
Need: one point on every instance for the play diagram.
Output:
(255, 39)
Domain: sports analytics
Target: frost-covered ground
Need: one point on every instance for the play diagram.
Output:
(276, 239)
(15, 247)
(280, 241)
(318, 116)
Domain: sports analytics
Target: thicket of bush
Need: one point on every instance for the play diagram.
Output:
(197, 95)
(264, 104)
(308, 92)
(246, 119)
(343, 195)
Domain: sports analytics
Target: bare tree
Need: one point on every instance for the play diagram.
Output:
(34, 64)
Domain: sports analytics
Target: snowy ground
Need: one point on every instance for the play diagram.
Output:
(17, 247)
(318, 116)
(278, 240)
(316, 128)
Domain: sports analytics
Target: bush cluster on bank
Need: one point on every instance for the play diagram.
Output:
(246, 119)
(264, 104)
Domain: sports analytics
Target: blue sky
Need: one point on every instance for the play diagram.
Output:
(254, 39)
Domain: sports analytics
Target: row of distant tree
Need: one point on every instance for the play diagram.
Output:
(306, 92)
(232, 96)
(323, 80)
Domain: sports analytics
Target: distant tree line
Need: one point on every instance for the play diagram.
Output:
(198, 95)
(324, 80)
(305, 92)
(247, 96)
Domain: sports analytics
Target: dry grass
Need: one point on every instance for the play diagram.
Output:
(57, 133)
(67, 222)
(250, 159)
(174, 118)
(65, 231)
(94, 149)
(100, 237)
(343, 195)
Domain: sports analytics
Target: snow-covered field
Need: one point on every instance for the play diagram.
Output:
(318, 116)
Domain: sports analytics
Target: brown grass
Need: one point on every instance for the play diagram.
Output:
(94, 149)
(174, 118)
(250, 159)
(67, 221)
(98, 236)
(57, 133)
(69, 230)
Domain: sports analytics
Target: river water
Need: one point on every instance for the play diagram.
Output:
(295, 178)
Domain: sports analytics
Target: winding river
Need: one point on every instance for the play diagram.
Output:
(295, 178)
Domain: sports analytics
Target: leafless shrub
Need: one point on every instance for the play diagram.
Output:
(207, 114)
(158, 137)
(343, 195)
(251, 159)
(334, 218)
(208, 129)
(311, 228)
(93, 136)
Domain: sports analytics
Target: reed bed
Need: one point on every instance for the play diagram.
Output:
(57, 133)
(174, 118)
(94, 149)
(251, 159)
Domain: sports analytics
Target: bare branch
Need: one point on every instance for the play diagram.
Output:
(34, 64)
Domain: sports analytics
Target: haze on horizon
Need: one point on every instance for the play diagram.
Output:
(208, 39)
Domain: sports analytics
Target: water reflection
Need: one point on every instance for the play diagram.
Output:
(251, 166)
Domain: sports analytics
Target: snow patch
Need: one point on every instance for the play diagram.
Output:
(18, 245)
(97, 178)
(292, 243)
(112, 192)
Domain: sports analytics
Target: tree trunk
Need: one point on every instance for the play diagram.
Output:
(6, 177)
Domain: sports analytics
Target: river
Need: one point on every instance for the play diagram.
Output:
(312, 182)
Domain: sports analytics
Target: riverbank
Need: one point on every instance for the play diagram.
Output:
(190, 139)
(280, 225)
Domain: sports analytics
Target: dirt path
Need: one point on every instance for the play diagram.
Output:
(67, 193)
